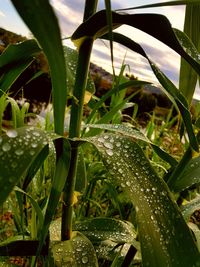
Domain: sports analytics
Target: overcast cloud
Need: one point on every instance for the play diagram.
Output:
(70, 16)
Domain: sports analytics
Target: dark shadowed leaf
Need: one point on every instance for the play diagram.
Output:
(160, 223)
(14, 60)
(189, 177)
(189, 208)
(96, 27)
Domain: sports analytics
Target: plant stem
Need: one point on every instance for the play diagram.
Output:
(75, 123)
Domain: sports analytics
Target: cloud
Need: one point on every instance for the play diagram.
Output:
(2, 14)
(70, 15)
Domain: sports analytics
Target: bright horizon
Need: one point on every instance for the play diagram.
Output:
(70, 16)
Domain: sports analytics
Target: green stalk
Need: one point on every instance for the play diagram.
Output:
(75, 123)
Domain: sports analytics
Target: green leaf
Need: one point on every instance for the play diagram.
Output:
(18, 148)
(136, 135)
(81, 174)
(169, 88)
(164, 236)
(36, 164)
(100, 229)
(188, 77)
(163, 4)
(16, 53)
(59, 179)
(71, 63)
(77, 252)
(96, 27)
(190, 176)
(111, 92)
(189, 208)
(41, 20)
(35, 206)
(14, 60)
(196, 232)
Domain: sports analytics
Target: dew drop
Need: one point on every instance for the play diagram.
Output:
(11, 133)
(14, 165)
(19, 152)
(109, 152)
(36, 134)
(32, 152)
(6, 147)
(118, 144)
(84, 259)
(120, 171)
(34, 145)
(101, 139)
(128, 183)
(108, 145)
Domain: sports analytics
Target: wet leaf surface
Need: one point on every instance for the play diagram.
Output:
(164, 236)
(77, 252)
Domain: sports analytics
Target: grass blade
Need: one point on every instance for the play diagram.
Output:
(169, 88)
(41, 20)
(169, 3)
(188, 77)
(14, 60)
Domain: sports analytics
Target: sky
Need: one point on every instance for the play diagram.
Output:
(70, 14)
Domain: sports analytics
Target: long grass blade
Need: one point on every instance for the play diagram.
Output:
(188, 77)
(169, 3)
(169, 88)
(41, 20)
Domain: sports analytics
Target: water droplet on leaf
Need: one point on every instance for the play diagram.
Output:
(11, 133)
(6, 147)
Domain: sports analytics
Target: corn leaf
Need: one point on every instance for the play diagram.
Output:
(188, 77)
(169, 3)
(189, 208)
(96, 26)
(163, 234)
(136, 135)
(78, 251)
(190, 176)
(169, 88)
(99, 229)
(71, 63)
(14, 60)
(59, 179)
(41, 20)
(19, 148)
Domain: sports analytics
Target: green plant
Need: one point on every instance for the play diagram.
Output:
(160, 228)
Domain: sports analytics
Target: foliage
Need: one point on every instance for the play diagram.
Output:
(115, 204)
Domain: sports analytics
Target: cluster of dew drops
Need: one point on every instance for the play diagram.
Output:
(15, 144)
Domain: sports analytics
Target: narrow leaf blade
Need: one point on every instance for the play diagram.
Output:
(40, 18)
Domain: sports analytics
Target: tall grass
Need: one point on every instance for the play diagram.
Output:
(104, 165)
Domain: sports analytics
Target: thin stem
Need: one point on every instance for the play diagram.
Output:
(75, 124)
